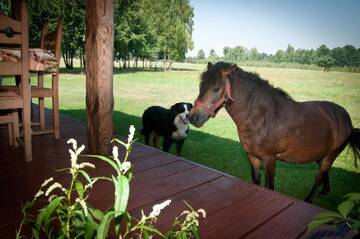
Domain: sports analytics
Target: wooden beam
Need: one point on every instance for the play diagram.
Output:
(99, 74)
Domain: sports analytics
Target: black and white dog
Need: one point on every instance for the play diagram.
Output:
(172, 124)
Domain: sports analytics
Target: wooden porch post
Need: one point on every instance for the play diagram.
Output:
(99, 74)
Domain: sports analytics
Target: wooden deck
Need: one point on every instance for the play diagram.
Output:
(235, 209)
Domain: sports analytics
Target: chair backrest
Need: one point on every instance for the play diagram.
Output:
(14, 32)
(51, 41)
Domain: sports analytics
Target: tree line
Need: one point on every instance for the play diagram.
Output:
(144, 30)
(346, 56)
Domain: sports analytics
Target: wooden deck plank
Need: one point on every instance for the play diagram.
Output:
(235, 209)
(289, 222)
(244, 216)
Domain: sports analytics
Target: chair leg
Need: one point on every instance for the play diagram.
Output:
(26, 122)
(55, 101)
(16, 128)
(10, 134)
(41, 113)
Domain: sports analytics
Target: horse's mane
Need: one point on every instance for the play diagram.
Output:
(209, 78)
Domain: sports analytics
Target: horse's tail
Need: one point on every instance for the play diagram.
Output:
(354, 143)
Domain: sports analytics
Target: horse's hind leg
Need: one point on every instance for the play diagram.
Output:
(255, 164)
(269, 165)
(326, 184)
(322, 176)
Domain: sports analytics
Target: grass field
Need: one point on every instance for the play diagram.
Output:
(216, 144)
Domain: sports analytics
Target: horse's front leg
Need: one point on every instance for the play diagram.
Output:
(269, 165)
(255, 164)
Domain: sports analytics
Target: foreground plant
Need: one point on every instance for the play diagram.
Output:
(67, 214)
(348, 213)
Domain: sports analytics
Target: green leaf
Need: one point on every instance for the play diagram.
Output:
(90, 227)
(145, 235)
(103, 228)
(122, 190)
(151, 229)
(35, 231)
(346, 207)
(40, 216)
(355, 225)
(80, 189)
(98, 214)
(316, 223)
(86, 175)
(106, 159)
(324, 215)
(50, 209)
(353, 196)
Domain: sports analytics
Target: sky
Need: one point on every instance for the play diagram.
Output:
(270, 25)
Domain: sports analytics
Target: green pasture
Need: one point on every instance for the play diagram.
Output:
(216, 145)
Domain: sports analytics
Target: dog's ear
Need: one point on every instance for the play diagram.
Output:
(189, 106)
(173, 107)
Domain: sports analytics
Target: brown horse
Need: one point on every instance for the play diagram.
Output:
(272, 126)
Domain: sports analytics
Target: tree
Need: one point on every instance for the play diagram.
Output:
(279, 56)
(73, 40)
(72, 14)
(201, 54)
(323, 50)
(326, 62)
(289, 53)
(212, 54)
(173, 23)
(253, 54)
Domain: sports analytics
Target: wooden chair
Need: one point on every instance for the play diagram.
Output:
(12, 120)
(14, 32)
(50, 42)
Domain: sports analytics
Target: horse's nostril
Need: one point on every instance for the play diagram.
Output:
(194, 118)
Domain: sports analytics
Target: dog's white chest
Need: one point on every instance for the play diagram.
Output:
(180, 133)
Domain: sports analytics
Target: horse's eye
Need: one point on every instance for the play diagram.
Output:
(216, 89)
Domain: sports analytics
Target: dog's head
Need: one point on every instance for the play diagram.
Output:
(183, 110)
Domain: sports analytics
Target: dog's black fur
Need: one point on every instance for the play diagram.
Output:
(172, 124)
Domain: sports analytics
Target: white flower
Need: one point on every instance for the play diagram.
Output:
(38, 194)
(156, 209)
(53, 187)
(52, 197)
(73, 142)
(86, 164)
(73, 158)
(83, 205)
(74, 153)
(47, 181)
(79, 150)
(125, 166)
(131, 133)
(89, 185)
(202, 211)
(115, 152)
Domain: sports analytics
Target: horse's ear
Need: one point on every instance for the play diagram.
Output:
(209, 65)
(233, 67)
(228, 70)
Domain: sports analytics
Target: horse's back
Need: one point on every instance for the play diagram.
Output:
(337, 116)
(317, 129)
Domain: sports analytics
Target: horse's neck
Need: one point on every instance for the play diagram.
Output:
(250, 106)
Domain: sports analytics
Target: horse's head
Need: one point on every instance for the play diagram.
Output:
(215, 92)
